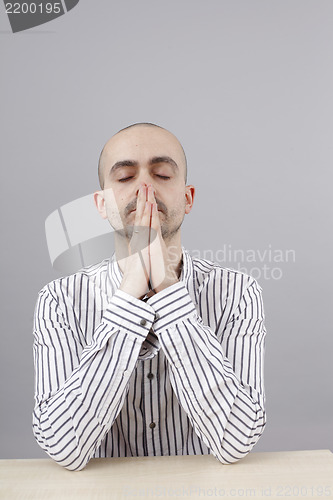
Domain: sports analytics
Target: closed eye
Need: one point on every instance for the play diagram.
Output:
(124, 179)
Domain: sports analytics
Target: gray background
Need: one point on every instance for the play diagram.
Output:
(247, 88)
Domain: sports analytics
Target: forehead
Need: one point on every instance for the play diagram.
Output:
(142, 143)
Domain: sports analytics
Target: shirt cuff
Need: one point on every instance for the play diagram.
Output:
(172, 305)
(130, 314)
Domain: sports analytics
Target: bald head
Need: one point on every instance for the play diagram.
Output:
(140, 135)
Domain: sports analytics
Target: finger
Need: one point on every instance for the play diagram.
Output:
(156, 250)
(151, 194)
(145, 221)
(155, 229)
(155, 219)
(141, 230)
(140, 204)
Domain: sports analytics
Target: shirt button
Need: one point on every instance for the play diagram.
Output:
(152, 425)
(157, 316)
(150, 376)
(143, 322)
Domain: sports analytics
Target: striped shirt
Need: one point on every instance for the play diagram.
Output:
(179, 374)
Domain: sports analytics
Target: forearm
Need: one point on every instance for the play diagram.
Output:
(73, 415)
(224, 404)
(224, 415)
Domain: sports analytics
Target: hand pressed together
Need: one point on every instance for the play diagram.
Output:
(148, 266)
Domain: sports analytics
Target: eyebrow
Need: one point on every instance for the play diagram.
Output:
(153, 161)
(164, 159)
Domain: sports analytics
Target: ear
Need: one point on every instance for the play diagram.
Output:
(99, 200)
(189, 196)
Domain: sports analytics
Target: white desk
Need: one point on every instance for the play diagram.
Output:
(279, 475)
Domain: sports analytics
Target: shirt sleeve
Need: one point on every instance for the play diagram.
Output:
(78, 395)
(222, 395)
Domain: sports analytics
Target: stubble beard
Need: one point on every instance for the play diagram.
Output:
(168, 229)
(170, 223)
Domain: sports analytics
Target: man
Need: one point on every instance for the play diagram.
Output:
(150, 352)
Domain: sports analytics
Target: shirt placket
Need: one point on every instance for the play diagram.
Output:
(150, 382)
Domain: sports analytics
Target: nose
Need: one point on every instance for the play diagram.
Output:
(138, 187)
(137, 191)
(144, 180)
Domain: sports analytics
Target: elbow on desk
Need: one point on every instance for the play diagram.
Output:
(235, 446)
(68, 458)
(71, 454)
(66, 453)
